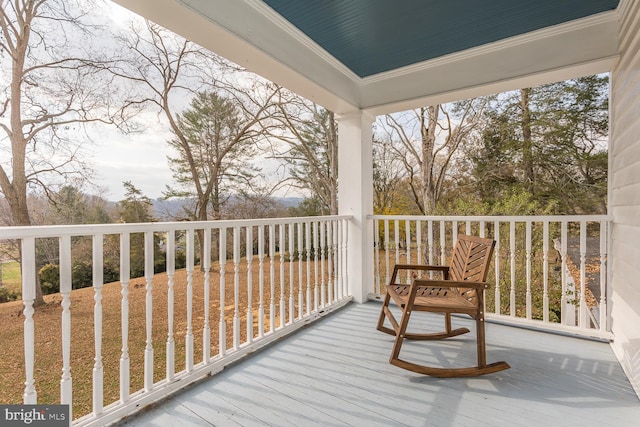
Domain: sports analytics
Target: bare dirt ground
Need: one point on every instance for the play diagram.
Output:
(48, 359)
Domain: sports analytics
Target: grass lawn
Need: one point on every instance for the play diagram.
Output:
(11, 277)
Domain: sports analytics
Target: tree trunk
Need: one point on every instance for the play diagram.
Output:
(333, 164)
(527, 144)
(428, 135)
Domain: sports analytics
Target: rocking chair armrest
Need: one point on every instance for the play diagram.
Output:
(423, 267)
(450, 284)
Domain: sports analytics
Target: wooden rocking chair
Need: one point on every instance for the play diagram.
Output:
(460, 291)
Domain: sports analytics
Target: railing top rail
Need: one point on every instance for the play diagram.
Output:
(41, 231)
(493, 218)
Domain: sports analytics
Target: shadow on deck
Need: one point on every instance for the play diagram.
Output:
(336, 373)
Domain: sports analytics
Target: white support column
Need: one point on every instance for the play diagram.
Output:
(355, 197)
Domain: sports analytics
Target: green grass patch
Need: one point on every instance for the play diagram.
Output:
(11, 277)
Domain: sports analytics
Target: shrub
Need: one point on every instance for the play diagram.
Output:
(82, 275)
(49, 276)
(6, 295)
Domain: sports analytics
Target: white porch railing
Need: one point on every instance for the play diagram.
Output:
(540, 269)
(273, 276)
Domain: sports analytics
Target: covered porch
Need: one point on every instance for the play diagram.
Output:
(336, 373)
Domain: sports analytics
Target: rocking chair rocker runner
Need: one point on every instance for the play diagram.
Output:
(460, 291)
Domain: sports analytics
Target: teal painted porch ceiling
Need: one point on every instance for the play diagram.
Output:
(374, 36)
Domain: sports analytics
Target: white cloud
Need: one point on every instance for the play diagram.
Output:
(140, 158)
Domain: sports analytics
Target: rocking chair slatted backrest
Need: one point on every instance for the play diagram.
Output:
(470, 263)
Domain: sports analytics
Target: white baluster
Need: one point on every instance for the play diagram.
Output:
(583, 313)
(545, 271)
(291, 273)
(386, 251)
(407, 240)
(567, 319)
(206, 266)
(66, 389)
(261, 280)
(496, 227)
(125, 275)
(249, 259)
(443, 245)
(307, 230)
(171, 271)
(329, 262)
(528, 269)
(396, 236)
(98, 370)
(338, 260)
(430, 243)
(482, 233)
(223, 321)
(300, 249)
(236, 288)
(430, 240)
(189, 352)
(419, 242)
(454, 233)
(603, 275)
(272, 283)
(282, 248)
(337, 281)
(376, 237)
(316, 292)
(512, 254)
(323, 281)
(148, 275)
(28, 265)
(343, 264)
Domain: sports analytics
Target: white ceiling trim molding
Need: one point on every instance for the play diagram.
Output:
(536, 79)
(305, 40)
(516, 41)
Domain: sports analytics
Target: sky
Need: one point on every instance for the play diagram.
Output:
(142, 157)
(138, 157)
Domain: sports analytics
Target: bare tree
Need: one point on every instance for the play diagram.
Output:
(164, 68)
(215, 144)
(51, 87)
(430, 138)
(388, 175)
(311, 147)
(170, 69)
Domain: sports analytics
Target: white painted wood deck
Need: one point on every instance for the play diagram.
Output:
(336, 373)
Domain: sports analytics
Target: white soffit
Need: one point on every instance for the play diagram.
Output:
(252, 35)
(584, 47)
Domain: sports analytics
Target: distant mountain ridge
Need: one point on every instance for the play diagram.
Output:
(173, 209)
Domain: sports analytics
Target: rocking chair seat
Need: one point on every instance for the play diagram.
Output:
(460, 291)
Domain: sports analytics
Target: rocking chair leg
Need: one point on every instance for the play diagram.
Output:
(480, 341)
(383, 316)
(397, 344)
(447, 322)
(387, 298)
